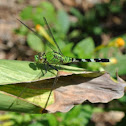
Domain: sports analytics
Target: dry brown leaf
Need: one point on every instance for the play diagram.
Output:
(76, 89)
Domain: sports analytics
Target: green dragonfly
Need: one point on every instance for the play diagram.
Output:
(57, 58)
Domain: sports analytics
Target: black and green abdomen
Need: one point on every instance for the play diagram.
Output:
(56, 58)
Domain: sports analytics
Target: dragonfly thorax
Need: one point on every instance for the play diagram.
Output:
(52, 57)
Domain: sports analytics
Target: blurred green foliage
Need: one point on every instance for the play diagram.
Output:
(76, 39)
(78, 42)
(90, 22)
(78, 116)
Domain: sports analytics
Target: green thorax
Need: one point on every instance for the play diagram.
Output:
(56, 58)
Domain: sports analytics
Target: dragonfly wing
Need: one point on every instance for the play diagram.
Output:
(52, 35)
(39, 36)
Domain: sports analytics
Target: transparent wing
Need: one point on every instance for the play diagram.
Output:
(52, 35)
(34, 33)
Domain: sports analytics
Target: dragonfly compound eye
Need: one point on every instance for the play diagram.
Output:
(36, 58)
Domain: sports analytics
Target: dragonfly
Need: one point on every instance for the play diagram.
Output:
(53, 57)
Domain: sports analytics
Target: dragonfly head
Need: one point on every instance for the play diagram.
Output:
(39, 58)
(36, 58)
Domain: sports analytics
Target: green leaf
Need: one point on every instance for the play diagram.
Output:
(84, 48)
(67, 50)
(115, 8)
(23, 80)
(52, 120)
(26, 13)
(15, 76)
(22, 106)
(103, 53)
(48, 6)
(120, 66)
(94, 66)
(97, 30)
(77, 13)
(48, 11)
(22, 30)
(35, 43)
(63, 21)
(14, 71)
(38, 16)
(79, 116)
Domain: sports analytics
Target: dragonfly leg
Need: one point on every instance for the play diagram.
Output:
(53, 67)
(54, 83)
(46, 67)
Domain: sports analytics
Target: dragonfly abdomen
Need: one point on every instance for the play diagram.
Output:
(90, 60)
(56, 58)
